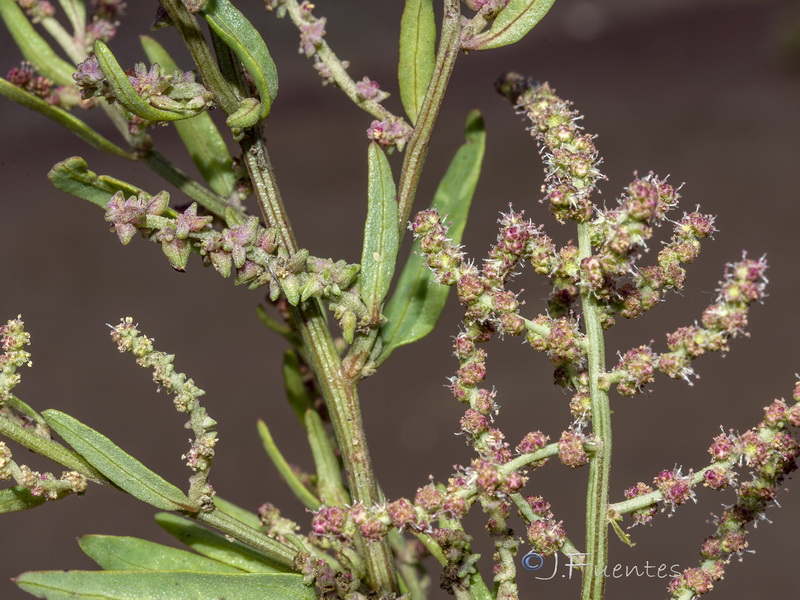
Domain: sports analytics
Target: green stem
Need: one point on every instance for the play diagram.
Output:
(651, 498)
(339, 393)
(51, 449)
(410, 574)
(206, 198)
(337, 70)
(417, 148)
(192, 35)
(64, 39)
(593, 587)
(341, 399)
(281, 553)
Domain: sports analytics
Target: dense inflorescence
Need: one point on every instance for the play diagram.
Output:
(245, 248)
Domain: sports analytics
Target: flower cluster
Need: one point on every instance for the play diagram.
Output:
(14, 356)
(187, 394)
(312, 30)
(743, 284)
(570, 156)
(390, 132)
(45, 485)
(37, 9)
(246, 247)
(176, 92)
(770, 451)
(104, 21)
(26, 78)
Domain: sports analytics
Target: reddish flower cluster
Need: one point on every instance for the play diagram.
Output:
(570, 156)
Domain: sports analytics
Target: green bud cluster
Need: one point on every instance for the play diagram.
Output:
(246, 247)
(187, 394)
(46, 484)
(14, 338)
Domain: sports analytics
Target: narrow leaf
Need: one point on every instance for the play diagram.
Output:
(237, 512)
(381, 238)
(119, 466)
(329, 471)
(302, 492)
(199, 134)
(417, 54)
(243, 39)
(74, 177)
(175, 585)
(33, 46)
(21, 407)
(18, 498)
(120, 553)
(124, 91)
(216, 546)
(512, 24)
(294, 382)
(418, 300)
(62, 117)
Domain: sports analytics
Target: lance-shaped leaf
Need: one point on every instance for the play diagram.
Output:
(199, 134)
(74, 177)
(62, 117)
(126, 94)
(329, 471)
(18, 498)
(296, 391)
(117, 465)
(33, 46)
(511, 24)
(418, 300)
(175, 585)
(302, 492)
(120, 553)
(216, 546)
(381, 238)
(417, 54)
(249, 47)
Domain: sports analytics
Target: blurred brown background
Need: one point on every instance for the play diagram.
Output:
(705, 91)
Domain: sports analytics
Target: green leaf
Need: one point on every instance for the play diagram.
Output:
(381, 238)
(33, 46)
(175, 585)
(216, 546)
(18, 498)
(237, 512)
(199, 134)
(247, 44)
(302, 492)
(512, 24)
(11, 401)
(74, 177)
(62, 117)
(417, 54)
(329, 471)
(117, 465)
(418, 300)
(126, 94)
(119, 553)
(296, 390)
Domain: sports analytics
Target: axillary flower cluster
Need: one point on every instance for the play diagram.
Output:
(604, 273)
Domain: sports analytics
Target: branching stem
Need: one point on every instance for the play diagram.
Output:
(417, 148)
(593, 587)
